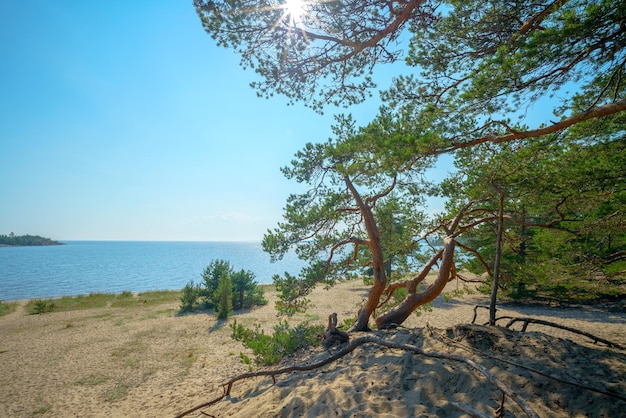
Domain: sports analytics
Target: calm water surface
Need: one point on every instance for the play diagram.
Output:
(81, 267)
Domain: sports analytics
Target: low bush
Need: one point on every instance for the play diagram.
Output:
(190, 297)
(40, 306)
(269, 349)
(222, 289)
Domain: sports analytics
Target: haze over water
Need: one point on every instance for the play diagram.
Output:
(82, 267)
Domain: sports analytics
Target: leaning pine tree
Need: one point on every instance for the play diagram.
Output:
(476, 76)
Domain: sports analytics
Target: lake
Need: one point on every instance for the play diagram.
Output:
(82, 267)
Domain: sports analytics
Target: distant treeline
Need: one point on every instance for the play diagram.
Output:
(26, 240)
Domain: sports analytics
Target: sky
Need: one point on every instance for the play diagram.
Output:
(122, 120)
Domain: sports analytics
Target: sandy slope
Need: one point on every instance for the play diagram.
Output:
(150, 362)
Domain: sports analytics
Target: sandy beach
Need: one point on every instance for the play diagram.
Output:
(149, 362)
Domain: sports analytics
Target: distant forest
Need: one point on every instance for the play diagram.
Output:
(26, 240)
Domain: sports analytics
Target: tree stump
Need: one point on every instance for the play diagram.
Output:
(333, 336)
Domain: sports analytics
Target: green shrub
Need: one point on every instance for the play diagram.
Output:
(224, 297)
(244, 291)
(190, 297)
(347, 323)
(269, 349)
(211, 279)
(40, 306)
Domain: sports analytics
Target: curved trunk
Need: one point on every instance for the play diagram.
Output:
(373, 298)
(401, 312)
(378, 264)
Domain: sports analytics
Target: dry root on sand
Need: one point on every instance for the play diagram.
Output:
(526, 321)
(504, 388)
(381, 342)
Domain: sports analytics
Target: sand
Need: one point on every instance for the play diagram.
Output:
(150, 362)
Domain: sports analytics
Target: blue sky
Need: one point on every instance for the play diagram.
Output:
(123, 121)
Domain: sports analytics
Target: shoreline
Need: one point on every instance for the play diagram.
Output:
(113, 267)
(265, 286)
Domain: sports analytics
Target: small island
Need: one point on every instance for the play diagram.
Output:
(13, 240)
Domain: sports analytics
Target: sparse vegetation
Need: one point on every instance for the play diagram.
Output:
(43, 406)
(117, 392)
(269, 349)
(457, 293)
(94, 300)
(7, 307)
(150, 298)
(93, 379)
(188, 361)
(40, 306)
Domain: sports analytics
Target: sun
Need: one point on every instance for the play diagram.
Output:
(295, 10)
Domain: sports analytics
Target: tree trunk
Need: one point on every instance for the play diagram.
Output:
(373, 298)
(378, 263)
(401, 312)
(496, 266)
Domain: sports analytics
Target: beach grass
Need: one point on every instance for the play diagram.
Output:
(125, 299)
(96, 300)
(7, 307)
(151, 298)
(93, 379)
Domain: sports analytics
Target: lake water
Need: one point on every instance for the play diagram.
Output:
(82, 267)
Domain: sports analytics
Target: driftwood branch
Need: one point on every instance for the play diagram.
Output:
(373, 340)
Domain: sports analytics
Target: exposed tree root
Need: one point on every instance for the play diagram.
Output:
(469, 410)
(373, 340)
(450, 341)
(527, 321)
(476, 313)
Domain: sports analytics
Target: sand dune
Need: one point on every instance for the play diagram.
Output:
(146, 362)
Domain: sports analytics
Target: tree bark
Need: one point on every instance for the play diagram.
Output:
(593, 113)
(370, 306)
(496, 266)
(378, 263)
(401, 312)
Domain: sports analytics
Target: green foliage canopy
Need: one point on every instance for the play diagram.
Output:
(352, 205)
(470, 64)
(475, 75)
(325, 57)
(565, 196)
